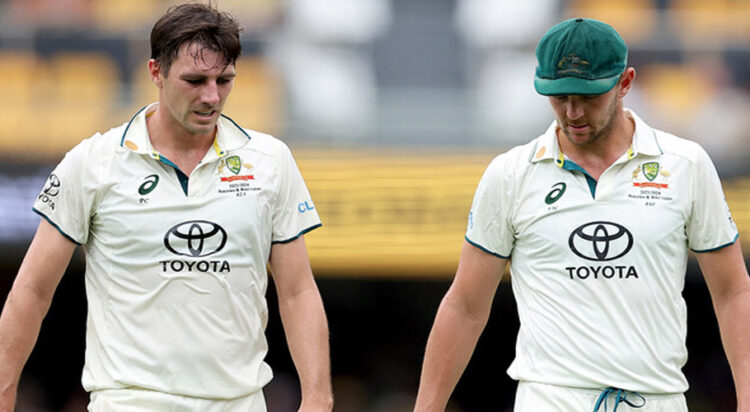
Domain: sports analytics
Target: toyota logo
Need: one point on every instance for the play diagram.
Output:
(601, 241)
(53, 186)
(196, 238)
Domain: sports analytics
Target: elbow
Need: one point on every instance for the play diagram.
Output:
(472, 311)
(28, 297)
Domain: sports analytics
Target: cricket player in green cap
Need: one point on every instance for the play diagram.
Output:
(597, 217)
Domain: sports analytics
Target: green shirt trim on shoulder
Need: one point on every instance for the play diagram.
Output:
(45, 217)
(719, 247)
(478, 246)
(309, 229)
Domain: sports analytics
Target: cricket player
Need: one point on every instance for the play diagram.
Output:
(596, 217)
(179, 210)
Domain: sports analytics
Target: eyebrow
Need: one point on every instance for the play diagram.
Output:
(197, 76)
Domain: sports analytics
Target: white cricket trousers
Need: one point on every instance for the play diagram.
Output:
(135, 400)
(540, 397)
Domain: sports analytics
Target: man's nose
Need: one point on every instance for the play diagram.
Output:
(573, 109)
(210, 93)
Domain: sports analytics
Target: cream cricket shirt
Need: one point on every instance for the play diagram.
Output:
(176, 268)
(598, 268)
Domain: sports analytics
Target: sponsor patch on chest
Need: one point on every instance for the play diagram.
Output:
(598, 242)
(192, 242)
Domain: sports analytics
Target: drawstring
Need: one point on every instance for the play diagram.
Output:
(620, 396)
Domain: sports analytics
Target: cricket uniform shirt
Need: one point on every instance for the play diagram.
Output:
(598, 267)
(176, 267)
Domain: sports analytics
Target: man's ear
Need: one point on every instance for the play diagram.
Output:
(627, 79)
(154, 70)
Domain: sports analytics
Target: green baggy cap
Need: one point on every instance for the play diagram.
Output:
(579, 56)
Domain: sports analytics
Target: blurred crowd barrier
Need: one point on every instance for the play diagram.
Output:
(390, 214)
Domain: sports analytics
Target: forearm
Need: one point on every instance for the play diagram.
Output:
(732, 314)
(449, 348)
(306, 331)
(28, 303)
(20, 323)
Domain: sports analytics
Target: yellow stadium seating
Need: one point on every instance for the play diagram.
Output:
(633, 19)
(126, 15)
(18, 72)
(22, 80)
(255, 101)
(84, 90)
(142, 89)
(674, 90)
(711, 21)
(86, 78)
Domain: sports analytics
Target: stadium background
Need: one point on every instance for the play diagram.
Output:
(393, 108)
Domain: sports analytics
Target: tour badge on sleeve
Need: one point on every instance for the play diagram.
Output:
(236, 177)
(650, 184)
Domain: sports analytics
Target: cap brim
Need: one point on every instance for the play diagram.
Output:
(574, 85)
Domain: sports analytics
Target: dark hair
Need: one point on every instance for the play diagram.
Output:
(195, 23)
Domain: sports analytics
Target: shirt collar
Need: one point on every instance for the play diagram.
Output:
(644, 142)
(229, 135)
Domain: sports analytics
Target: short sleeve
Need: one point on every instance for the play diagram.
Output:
(68, 196)
(294, 211)
(489, 226)
(710, 225)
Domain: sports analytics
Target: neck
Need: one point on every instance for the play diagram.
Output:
(596, 156)
(183, 148)
(168, 136)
